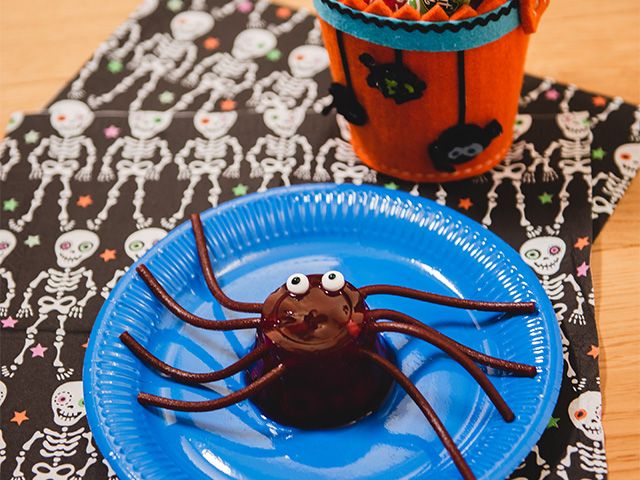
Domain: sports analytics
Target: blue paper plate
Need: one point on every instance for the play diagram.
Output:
(372, 235)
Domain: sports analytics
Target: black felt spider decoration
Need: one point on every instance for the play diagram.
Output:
(319, 359)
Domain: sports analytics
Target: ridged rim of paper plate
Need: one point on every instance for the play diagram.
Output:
(448, 36)
(111, 413)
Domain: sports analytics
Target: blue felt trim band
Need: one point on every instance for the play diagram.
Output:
(421, 36)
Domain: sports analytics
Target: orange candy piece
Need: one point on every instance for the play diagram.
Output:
(378, 7)
(356, 4)
(465, 11)
(435, 14)
(407, 12)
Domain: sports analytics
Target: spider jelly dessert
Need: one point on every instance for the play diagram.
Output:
(319, 360)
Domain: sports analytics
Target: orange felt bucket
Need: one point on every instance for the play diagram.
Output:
(428, 101)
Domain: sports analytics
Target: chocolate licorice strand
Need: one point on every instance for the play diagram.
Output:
(190, 377)
(209, 405)
(209, 275)
(519, 369)
(189, 317)
(426, 409)
(507, 307)
(454, 353)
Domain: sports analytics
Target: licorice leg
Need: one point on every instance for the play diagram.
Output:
(457, 355)
(189, 317)
(218, 403)
(191, 377)
(427, 410)
(520, 369)
(209, 275)
(506, 307)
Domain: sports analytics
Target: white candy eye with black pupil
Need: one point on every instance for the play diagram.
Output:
(332, 281)
(298, 284)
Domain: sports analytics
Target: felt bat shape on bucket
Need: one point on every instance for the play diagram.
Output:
(428, 101)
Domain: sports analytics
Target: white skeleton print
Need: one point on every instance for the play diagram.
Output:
(297, 88)
(627, 159)
(117, 47)
(10, 145)
(135, 246)
(534, 94)
(256, 21)
(544, 255)
(209, 159)
(7, 244)
(136, 162)
(62, 295)
(60, 445)
(255, 17)
(347, 166)
(575, 149)
(586, 414)
(228, 74)
(280, 150)
(218, 13)
(441, 193)
(514, 170)
(3, 445)
(315, 34)
(162, 57)
(70, 118)
(635, 127)
(545, 470)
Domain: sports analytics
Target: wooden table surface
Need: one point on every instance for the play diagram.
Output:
(43, 44)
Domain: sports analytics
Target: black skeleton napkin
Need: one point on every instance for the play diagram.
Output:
(614, 152)
(127, 177)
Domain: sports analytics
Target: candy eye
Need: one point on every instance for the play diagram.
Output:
(84, 246)
(532, 254)
(554, 250)
(65, 245)
(332, 281)
(298, 284)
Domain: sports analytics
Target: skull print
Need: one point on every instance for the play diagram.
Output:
(544, 254)
(67, 404)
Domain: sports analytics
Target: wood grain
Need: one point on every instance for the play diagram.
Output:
(43, 44)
